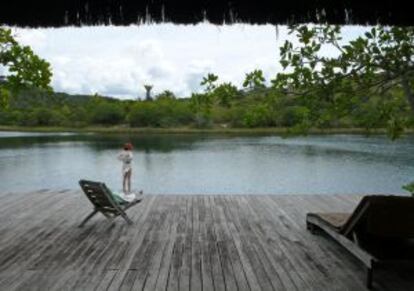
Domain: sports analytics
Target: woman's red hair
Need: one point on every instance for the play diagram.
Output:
(128, 146)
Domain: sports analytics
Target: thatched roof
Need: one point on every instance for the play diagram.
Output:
(123, 12)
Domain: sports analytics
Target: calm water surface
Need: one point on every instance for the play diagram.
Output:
(209, 164)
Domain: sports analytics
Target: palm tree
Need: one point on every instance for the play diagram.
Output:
(254, 80)
(209, 81)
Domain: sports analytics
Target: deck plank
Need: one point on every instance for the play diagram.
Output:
(196, 280)
(248, 244)
(170, 235)
(178, 242)
(223, 245)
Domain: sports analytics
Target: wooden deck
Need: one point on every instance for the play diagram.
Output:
(178, 243)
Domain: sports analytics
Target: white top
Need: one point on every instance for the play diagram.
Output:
(126, 158)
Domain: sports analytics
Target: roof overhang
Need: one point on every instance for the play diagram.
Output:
(55, 13)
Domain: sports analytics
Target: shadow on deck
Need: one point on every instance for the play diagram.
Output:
(178, 243)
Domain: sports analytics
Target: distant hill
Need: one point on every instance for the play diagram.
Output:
(33, 97)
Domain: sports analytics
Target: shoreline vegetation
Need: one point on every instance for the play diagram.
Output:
(366, 89)
(190, 130)
(255, 111)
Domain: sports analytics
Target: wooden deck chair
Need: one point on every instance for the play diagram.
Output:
(379, 232)
(103, 201)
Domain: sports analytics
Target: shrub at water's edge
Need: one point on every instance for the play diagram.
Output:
(264, 108)
(410, 188)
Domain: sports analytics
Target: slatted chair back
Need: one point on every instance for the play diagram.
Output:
(100, 196)
(102, 199)
(392, 217)
(383, 216)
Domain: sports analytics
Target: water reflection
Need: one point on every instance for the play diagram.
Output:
(98, 142)
(211, 164)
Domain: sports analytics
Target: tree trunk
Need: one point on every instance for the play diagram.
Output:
(408, 91)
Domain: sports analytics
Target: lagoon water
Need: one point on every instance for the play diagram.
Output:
(209, 164)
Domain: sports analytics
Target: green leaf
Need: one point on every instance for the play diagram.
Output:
(28, 70)
(409, 187)
(373, 32)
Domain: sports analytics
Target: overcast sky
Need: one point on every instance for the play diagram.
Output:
(118, 61)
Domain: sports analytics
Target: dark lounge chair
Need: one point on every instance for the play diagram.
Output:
(103, 201)
(379, 232)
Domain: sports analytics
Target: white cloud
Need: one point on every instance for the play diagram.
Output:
(118, 61)
(33, 37)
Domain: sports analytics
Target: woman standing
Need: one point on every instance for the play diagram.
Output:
(126, 157)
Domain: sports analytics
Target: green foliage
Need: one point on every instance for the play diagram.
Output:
(257, 116)
(368, 67)
(46, 117)
(369, 85)
(107, 113)
(409, 187)
(165, 95)
(174, 113)
(294, 116)
(235, 116)
(143, 114)
(163, 112)
(25, 67)
(209, 82)
(4, 98)
(265, 108)
(201, 104)
(224, 94)
(254, 80)
(10, 117)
